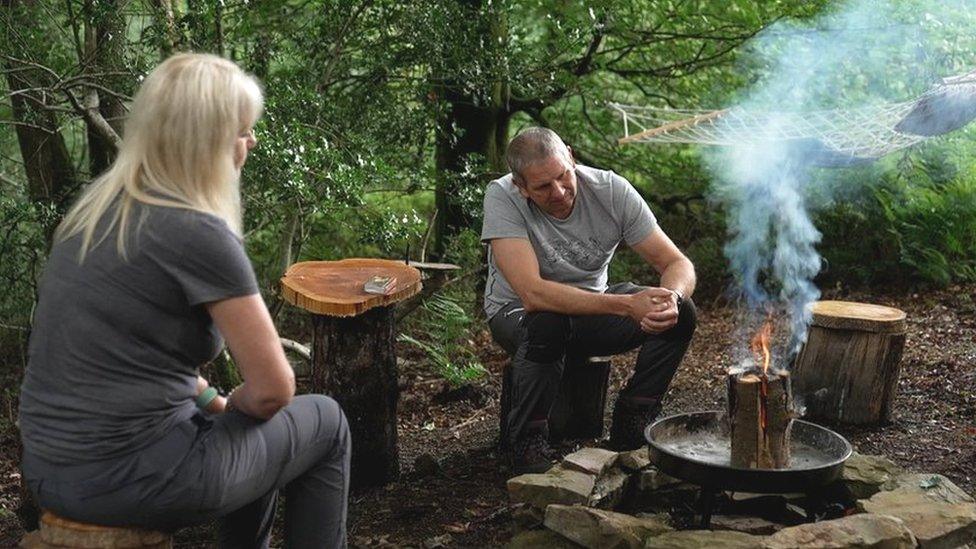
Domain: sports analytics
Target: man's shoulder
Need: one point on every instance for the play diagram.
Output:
(600, 179)
(503, 184)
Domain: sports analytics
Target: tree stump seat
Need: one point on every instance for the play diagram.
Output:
(847, 371)
(353, 354)
(59, 532)
(577, 413)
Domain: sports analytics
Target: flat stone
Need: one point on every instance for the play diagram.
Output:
(634, 460)
(937, 511)
(933, 485)
(594, 461)
(598, 528)
(557, 485)
(546, 539)
(745, 524)
(609, 489)
(652, 479)
(703, 539)
(865, 474)
(855, 531)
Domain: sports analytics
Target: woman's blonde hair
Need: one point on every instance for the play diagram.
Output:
(178, 149)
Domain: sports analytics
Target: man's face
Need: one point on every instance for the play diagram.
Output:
(551, 185)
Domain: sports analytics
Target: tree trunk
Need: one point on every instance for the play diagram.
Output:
(353, 360)
(761, 418)
(51, 176)
(105, 46)
(848, 369)
(472, 134)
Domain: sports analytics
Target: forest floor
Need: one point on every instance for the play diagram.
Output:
(461, 501)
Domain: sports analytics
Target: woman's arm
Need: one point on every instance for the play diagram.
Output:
(269, 382)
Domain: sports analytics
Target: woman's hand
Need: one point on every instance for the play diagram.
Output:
(202, 385)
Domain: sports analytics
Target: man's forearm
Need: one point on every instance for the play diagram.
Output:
(563, 298)
(679, 275)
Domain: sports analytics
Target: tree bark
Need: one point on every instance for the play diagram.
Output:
(472, 129)
(105, 48)
(354, 361)
(761, 417)
(848, 369)
(51, 175)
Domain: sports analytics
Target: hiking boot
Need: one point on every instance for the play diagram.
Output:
(531, 452)
(629, 421)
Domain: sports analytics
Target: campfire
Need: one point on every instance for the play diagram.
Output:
(760, 409)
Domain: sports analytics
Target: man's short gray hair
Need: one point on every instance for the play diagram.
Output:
(533, 145)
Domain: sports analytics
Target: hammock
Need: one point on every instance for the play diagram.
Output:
(835, 137)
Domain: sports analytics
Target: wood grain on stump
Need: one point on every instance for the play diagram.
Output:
(56, 532)
(848, 369)
(353, 353)
(335, 288)
(761, 419)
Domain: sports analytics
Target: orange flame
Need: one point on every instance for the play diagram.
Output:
(760, 348)
(760, 344)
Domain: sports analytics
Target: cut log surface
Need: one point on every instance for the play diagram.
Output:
(848, 369)
(56, 531)
(761, 419)
(335, 288)
(848, 315)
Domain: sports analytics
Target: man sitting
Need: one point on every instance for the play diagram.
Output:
(553, 226)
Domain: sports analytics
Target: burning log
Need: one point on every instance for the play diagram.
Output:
(760, 416)
(760, 410)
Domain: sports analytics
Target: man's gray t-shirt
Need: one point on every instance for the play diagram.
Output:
(576, 250)
(116, 343)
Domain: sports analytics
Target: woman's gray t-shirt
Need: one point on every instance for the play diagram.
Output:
(574, 251)
(117, 343)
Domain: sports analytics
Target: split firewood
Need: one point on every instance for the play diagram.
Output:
(760, 417)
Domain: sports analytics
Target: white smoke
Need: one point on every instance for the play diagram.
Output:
(859, 53)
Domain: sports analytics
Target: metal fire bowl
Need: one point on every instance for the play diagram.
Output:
(675, 447)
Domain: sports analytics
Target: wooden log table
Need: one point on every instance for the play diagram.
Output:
(847, 371)
(353, 356)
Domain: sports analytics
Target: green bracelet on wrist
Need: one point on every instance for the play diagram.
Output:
(206, 397)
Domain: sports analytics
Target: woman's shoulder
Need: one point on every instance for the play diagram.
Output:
(184, 225)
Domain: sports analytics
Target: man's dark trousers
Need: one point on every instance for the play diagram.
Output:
(539, 341)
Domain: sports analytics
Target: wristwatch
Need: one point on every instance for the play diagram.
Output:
(680, 297)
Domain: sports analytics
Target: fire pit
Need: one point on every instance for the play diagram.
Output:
(695, 447)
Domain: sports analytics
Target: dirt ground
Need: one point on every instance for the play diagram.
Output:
(458, 498)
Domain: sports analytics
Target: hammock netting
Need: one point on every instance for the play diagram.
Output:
(835, 137)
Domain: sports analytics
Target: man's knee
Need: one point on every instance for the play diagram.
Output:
(687, 319)
(546, 336)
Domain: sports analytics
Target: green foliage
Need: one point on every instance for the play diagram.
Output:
(445, 325)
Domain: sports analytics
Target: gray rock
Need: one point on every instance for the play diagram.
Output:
(597, 528)
(438, 542)
(937, 511)
(634, 460)
(703, 539)
(745, 524)
(855, 531)
(652, 479)
(594, 461)
(934, 486)
(866, 474)
(557, 485)
(535, 539)
(609, 489)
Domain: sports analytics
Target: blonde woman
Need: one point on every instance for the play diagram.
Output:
(146, 280)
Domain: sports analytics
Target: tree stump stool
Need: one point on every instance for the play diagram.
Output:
(353, 355)
(58, 532)
(848, 369)
(577, 412)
